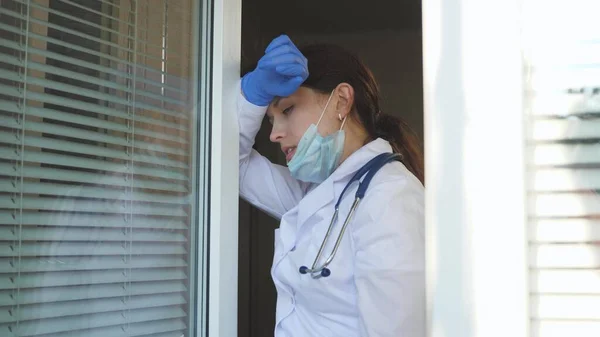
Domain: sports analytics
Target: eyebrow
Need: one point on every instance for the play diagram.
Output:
(276, 101)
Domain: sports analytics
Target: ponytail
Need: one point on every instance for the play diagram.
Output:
(403, 141)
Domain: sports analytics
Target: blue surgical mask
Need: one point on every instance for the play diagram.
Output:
(316, 156)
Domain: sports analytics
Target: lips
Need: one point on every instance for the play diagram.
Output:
(289, 153)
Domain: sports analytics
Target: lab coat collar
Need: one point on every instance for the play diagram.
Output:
(356, 160)
(324, 193)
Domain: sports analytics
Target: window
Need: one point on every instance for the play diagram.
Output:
(102, 168)
(562, 96)
(512, 100)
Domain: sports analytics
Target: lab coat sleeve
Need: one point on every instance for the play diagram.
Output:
(265, 185)
(389, 248)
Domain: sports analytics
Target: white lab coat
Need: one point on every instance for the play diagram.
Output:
(377, 282)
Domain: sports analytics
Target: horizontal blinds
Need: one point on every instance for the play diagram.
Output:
(96, 171)
(563, 104)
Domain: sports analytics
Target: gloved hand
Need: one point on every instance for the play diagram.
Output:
(280, 72)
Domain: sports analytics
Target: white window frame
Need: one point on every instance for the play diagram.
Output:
(223, 232)
(475, 199)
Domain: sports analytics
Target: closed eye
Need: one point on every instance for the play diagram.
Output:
(287, 111)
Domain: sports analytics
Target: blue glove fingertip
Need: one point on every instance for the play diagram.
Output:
(281, 39)
(298, 80)
(305, 73)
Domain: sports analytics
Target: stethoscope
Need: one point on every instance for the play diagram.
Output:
(368, 171)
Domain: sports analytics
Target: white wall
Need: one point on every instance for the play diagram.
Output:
(475, 204)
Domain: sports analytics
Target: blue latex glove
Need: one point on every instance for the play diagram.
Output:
(280, 72)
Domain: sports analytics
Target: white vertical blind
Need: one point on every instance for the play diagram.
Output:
(97, 178)
(562, 54)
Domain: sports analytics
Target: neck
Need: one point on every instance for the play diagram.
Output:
(356, 137)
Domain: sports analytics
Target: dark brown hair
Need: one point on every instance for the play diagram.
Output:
(330, 65)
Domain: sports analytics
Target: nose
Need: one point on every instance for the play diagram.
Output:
(277, 132)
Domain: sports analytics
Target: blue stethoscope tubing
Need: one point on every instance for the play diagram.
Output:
(368, 171)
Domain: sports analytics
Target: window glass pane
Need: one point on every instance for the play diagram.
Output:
(99, 223)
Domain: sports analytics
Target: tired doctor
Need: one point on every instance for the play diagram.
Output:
(357, 271)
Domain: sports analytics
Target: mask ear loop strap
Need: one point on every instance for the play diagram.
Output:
(343, 122)
(325, 109)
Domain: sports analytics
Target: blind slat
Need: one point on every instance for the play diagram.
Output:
(564, 256)
(98, 234)
(78, 162)
(562, 281)
(88, 135)
(80, 105)
(91, 24)
(70, 190)
(26, 265)
(12, 60)
(167, 334)
(66, 324)
(566, 129)
(565, 230)
(66, 205)
(10, 90)
(74, 147)
(65, 248)
(131, 330)
(86, 177)
(63, 29)
(88, 292)
(144, 95)
(99, 13)
(562, 328)
(564, 180)
(77, 90)
(41, 218)
(565, 204)
(89, 121)
(565, 307)
(561, 104)
(103, 98)
(560, 78)
(59, 309)
(566, 154)
(93, 66)
(77, 278)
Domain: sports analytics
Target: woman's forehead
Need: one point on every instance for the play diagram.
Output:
(279, 103)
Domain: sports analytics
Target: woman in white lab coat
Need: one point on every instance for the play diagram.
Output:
(323, 104)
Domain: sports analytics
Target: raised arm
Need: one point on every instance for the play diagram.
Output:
(279, 73)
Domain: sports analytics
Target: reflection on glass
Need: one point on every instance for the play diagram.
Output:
(97, 187)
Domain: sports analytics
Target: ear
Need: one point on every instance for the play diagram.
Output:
(345, 99)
